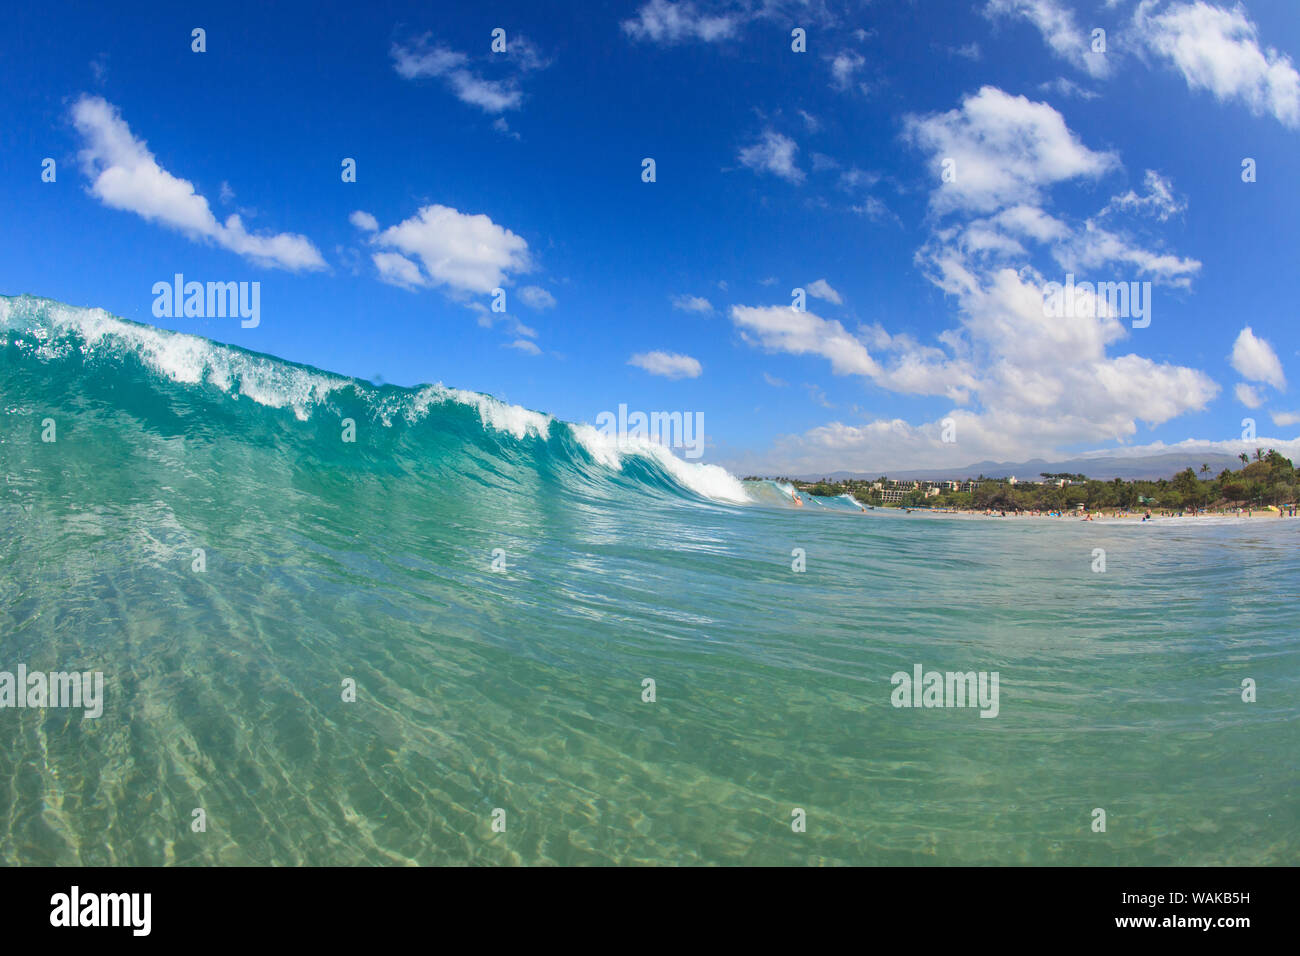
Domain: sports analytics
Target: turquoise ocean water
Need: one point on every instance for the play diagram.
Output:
(522, 689)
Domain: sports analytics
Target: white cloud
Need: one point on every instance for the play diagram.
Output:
(1095, 247)
(1065, 87)
(692, 303)
(1286, 419)
(491, 96)
(524, 345)
(1006, 150)
(1023, 384)
(488, 319)
(774, 381)
(1031, 222)
(818, 395)
(395, 269)
(364, 221)
(466, 253)
(1248, 395)
(674, 22)
(844, 67)
(1158, 202)
(1218, 50)
(874, 209)
(524, 55)
(668, 364)
(125, 175)
(821, 289)
(1014, 161)
(887, 445)
(773, 153)
(535, 297)
(779, 328)
(1255, 360)
(662, 21)
(422, 59)
(501, 126)
(419, 59)
(1056, 23)
(854, 178)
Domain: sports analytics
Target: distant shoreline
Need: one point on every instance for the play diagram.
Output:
(1267, 485)
(1107, 516)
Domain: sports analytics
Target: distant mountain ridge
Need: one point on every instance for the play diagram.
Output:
(1147, 468)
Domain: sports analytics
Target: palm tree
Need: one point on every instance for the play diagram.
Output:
(1259, 454)
(1205, 469)
(1245, 459)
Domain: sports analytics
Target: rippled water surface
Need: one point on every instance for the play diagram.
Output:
(522, 689)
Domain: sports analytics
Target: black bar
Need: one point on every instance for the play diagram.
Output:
(333, 905)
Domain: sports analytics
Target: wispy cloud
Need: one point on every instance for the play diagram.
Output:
(1063, 86)
(364, 221)
(663, 21)
(125, 175)
(1248, 395)
(692, 303)
(1055, 21)
(524, 345)
(667, 364)
(1158, 202)
(775, 154)
(424, 58)
(821, 289)
(844, 69)
(535, 297)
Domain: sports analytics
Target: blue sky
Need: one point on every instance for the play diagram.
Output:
(821, 170)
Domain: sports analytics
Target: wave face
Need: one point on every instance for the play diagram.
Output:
(188, 518)
(193, 377)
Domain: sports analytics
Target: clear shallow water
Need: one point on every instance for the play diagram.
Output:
(522, 689)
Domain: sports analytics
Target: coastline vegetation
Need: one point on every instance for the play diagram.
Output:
(1265, 478)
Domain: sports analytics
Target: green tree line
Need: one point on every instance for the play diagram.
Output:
(1265, 478)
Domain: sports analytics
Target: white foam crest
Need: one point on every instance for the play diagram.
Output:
(710, 481)
(604, 448)
(187, 359)
(492, 412)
